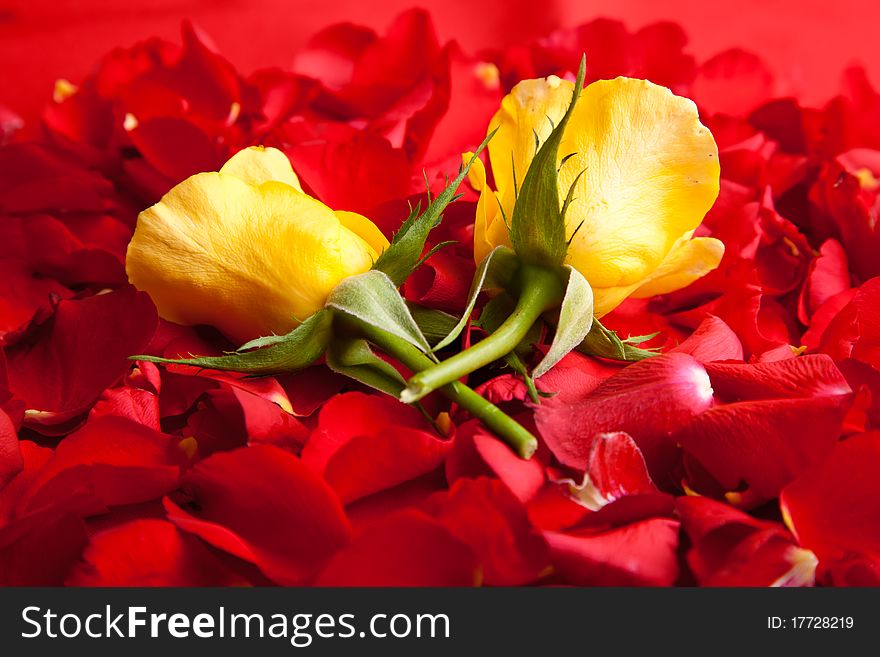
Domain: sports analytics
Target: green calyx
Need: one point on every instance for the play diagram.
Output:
(406, 251)
(537, 227)
(363, 312)
(540, 289)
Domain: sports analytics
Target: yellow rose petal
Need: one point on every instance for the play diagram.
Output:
(651, 174)
(249, 260)
(363, 228)
(689, 260)
(257, 164)
(532, 107)
(489, 227)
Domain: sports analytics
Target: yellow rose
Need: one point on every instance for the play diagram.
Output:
(650, 174)
(245, 249)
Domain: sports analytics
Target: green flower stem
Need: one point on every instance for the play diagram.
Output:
(508, 429)
(541, 290)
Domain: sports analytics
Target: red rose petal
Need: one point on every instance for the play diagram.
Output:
(647, 400)
(40, 549)
(408, 548)
(641, 554)
(366, 443)
(33, 459)
(616, 467)
(731, 548)
(786, 416)
(484, 514)
(834, 507)
(264, 505)
(732, 82)
(475, 453)
(61, 366)
(110, 461)
(11, 461)
(149, 552)
(712, 340)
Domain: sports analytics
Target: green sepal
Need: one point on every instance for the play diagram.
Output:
(354, 358)
(605, 343)
(373, 298)
(496, 270)
(404, 254)
(434, 324)
(516, 364)
(575, 321)
(496, 310)
(537, 227)
(281, 354)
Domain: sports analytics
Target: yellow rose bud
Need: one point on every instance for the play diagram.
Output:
(245, 249)
(650, 174)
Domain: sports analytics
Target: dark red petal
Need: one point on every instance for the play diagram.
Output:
(61, 366)
(33, 459)
(732, 548)
(442, 282)
(110, 461)
(408, 548)
(834, 507)
(262, 504)
(23, 295)
(149, 552)
(311, 388)
(40, 549)
(11, 461)
(484, 514)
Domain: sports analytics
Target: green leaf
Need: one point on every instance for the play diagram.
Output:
(373, 298)
(434, 324)
(287, 353)
(537, 228)
(495, 312)
(575, 321)
(604, 343)
(496, 270)
(404, 254)
(639, 339)
(353, 358)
